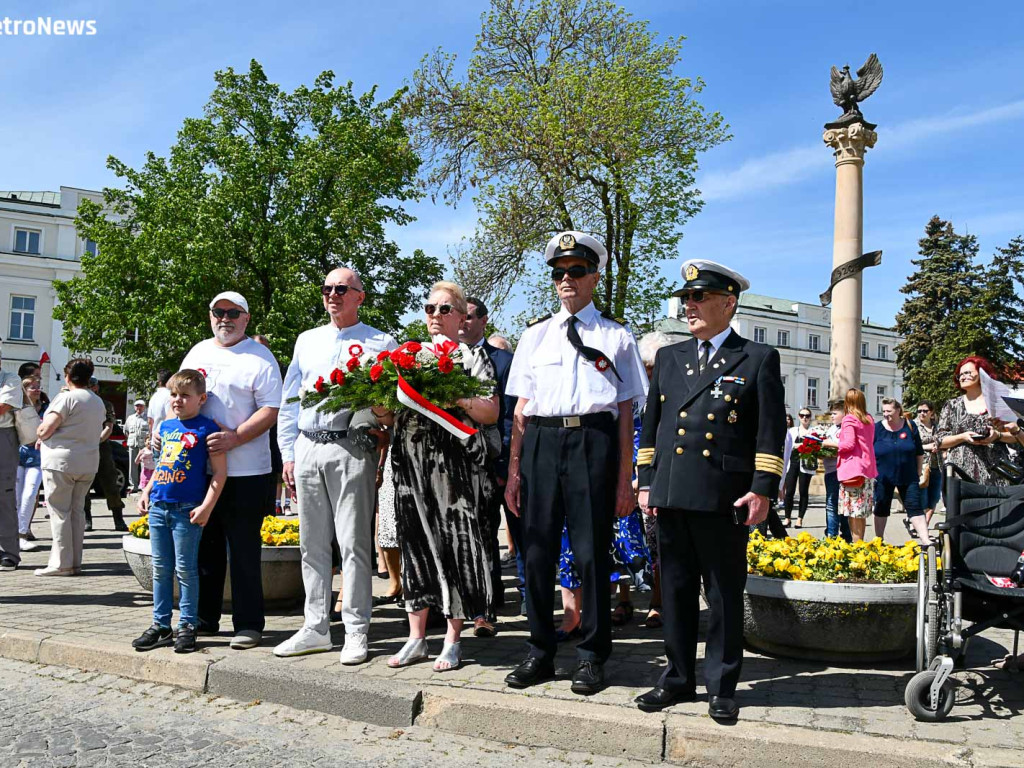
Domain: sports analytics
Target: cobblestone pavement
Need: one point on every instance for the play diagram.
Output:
(54, 716)
(107, 603)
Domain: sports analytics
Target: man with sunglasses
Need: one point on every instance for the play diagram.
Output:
(332, 477)
(710, 457)
(576, 375)
(243, 386)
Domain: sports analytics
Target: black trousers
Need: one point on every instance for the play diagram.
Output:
(569, 475)
(698, 546)
(106, 476)
(233, 534)
(793, 478)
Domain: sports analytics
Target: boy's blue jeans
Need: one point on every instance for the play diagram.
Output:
(835, 524)
(175, 545)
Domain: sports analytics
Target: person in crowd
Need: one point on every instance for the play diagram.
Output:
(11, 400)
(715, 412)
(70, 436)
(926, 424)
(855, 466)
(442, 486)
(800, 471)
(835, 524)
(789, 421)
(27, 370)
(30, 472)
(331, 474)
(899, 459)
(472, 333)
(157, 409)
(179, 500)
(274, 506)
(501, 343)
(106, 475)
(243, 389)
(146, 465)
(387, 528)
(576, 374)
(964, 431)
(772, 524)
(136, 430)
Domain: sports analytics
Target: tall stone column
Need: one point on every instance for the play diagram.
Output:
(849, 143)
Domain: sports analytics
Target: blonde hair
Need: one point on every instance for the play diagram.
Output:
(187, 379)
(856, 404)
(453, 290)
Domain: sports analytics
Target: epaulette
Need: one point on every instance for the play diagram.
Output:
(540, 319)
(609, 316)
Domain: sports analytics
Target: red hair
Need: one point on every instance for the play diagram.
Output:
(979, 362)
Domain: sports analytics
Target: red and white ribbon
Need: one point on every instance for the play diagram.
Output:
(410, 398)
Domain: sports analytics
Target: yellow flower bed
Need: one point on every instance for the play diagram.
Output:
(806, 558)
(274, 531)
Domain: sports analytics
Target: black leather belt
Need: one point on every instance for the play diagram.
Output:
(573, 422)
(325, 435)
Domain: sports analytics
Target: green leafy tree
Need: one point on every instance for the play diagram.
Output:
(571, 115)
(263, 194)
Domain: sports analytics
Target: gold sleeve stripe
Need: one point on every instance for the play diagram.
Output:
(774, 465)
(645, 452)
(643, 459)
(767, 463)
(769, 457)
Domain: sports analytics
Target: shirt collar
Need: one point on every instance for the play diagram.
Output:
(717, 340)
(585, 315)
(342, 333)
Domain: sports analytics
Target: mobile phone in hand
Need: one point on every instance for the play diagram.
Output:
(739, 515)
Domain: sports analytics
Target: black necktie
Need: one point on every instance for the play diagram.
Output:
(702, 359)
(593, 355)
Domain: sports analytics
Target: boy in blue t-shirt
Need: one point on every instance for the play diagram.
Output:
(179, 498)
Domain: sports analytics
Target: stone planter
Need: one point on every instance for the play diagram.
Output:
(843, 623)
(282, 574)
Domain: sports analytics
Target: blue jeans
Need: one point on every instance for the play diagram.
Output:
(175, 545)
(934, 490)
(835, 524)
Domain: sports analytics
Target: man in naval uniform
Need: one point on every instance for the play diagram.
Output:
(710, 457)
(576, 375)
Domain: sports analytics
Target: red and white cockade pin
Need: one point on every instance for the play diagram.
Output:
(602, 364)
(190, 440)
(355, 350)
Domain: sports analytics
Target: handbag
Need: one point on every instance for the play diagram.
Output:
(926, 474)
(853, 482)
(27, 421)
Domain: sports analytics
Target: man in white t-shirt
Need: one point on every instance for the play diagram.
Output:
(243, 386)
(156, 411)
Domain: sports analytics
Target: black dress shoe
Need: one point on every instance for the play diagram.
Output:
(721, 708)
(530, 672)
(588, 678)
(658, 699)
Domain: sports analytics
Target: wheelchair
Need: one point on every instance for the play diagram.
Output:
(983, 534)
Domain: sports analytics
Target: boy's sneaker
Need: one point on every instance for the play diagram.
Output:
(154, 637)
(185, 642)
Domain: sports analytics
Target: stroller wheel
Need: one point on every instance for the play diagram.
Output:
(918, 697)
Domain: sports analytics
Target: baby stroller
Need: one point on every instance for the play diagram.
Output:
(982, 536)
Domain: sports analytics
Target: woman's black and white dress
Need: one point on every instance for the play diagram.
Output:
(441, 488)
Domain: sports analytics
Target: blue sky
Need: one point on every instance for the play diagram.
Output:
(950, 110)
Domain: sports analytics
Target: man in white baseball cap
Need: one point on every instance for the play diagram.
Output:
(136, 430)
(234, 297)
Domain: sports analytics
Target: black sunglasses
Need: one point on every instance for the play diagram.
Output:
(924, 410)
(804, 415)
(233, 314)
(698, 296)
(339, 290)
(441, 309)
(576, 271)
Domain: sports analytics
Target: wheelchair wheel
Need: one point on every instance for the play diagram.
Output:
(931, 618)
(918, 699)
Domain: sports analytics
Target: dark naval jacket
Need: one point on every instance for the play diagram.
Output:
(709, 438)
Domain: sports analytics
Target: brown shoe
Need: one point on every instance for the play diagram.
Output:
(483, 628)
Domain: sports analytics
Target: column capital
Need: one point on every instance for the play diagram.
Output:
(850, 142)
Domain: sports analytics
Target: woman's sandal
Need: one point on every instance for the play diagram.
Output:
(654, 618)
(799, 523)
(415, 649)
(451, 655)
(379, 600)
(622, 614)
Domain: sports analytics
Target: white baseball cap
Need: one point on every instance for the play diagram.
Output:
(234, 297)
(140, 402)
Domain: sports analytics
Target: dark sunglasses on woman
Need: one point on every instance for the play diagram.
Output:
(339, 290)
(232, 314)
(441, 309)
(576, 271)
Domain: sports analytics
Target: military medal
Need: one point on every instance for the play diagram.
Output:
(732, 417)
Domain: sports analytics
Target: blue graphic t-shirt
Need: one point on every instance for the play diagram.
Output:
(180, 473)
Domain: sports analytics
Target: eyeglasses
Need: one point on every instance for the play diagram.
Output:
(576, 271)
(969, 374)
(804, 415)
(339, 290)
(441, 309)
(220, 314)
(924, 410)
(698, 296)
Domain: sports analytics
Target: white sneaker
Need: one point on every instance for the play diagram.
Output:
(54, 571)
(303, 642)
(28, 546)
(354, 651)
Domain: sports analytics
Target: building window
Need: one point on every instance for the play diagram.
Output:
(783, 339)
(814, 342)
(27, 240)
(883, 352)
(812, 392)
(863, 387)
(23, 318)
(760, 335)
(863, 351)
(91, 247)
(879, 397)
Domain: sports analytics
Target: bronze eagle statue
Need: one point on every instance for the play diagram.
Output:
(847, 92)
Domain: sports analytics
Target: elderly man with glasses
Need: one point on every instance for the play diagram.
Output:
(332, 476)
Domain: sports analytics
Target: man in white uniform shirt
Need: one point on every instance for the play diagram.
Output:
(576, 375)
(333, 477)
(243, 386)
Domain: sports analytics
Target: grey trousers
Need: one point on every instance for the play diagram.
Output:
(335, 488)
(134, 470)
(65, 500)
(9, 545)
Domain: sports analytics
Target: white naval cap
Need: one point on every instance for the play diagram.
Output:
(234, 297)
(573, 243)
(710, 275)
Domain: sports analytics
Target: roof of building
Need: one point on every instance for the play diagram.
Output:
(51, 199)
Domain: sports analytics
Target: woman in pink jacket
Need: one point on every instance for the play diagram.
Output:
(856, 469)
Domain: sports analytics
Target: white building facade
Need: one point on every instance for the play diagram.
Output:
(38, 245)
(801, 333)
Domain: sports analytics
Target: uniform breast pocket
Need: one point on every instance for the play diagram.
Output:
(599, 385)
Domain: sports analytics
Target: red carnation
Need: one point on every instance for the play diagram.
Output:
(352, 364)
(445, 364)
(355, 350)
(337, 377)
(412, 347)
(376, 371)
(383, 356)
(319, 385)
(402, 359)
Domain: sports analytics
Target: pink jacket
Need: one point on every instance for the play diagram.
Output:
(856, 449)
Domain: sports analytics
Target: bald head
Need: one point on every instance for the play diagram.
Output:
(343, 307)
(344, 276)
